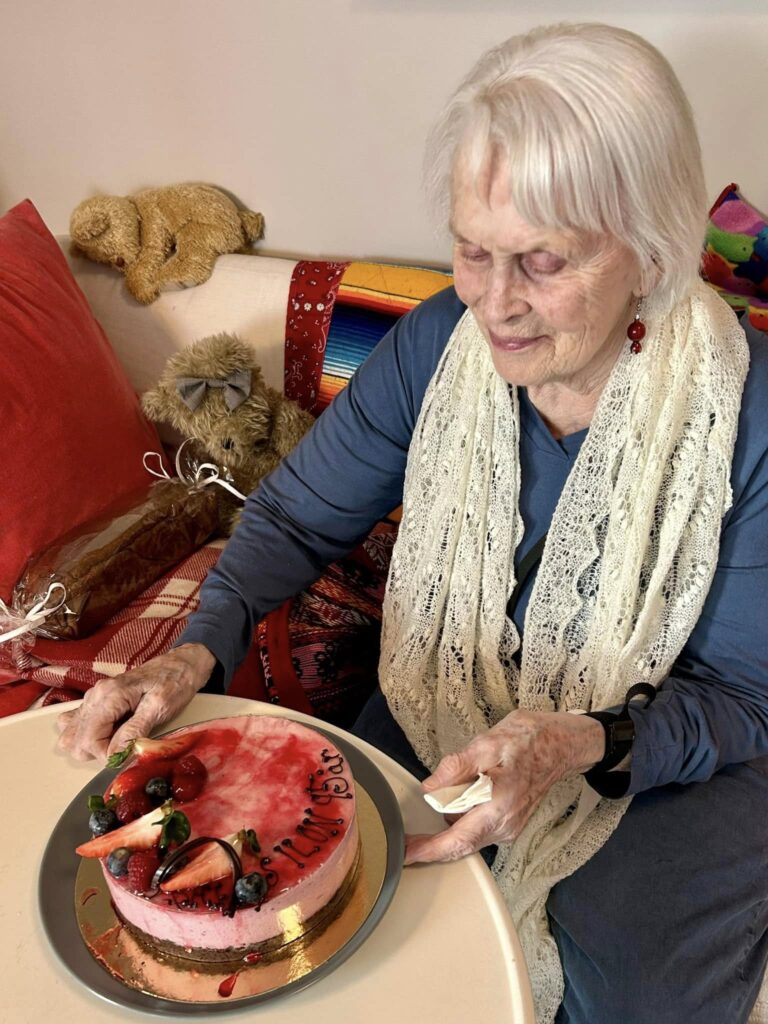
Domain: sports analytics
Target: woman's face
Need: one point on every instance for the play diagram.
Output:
(554, 308)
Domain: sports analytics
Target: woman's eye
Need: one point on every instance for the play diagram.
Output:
(473, 254)
(542, 263)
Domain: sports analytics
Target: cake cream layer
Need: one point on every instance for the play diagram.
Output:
(294, 789)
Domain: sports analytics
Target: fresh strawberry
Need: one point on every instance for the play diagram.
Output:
(212, 863)
(190, 765)
(161, 825)
(141, 869)
(188, 778)
(145, 749)
(133, 805)
(186, 787)
(136, 776)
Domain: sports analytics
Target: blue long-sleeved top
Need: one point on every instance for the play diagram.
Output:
(349, 471)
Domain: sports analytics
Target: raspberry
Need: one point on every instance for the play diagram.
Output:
(188, 778)
(141, 868)
(132, 805)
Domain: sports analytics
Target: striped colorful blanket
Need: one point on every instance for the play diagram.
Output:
(370, 298)
(337, 315)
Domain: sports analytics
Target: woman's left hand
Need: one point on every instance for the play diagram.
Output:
(524, 754)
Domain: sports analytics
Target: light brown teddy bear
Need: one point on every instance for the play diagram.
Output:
(163, 236)
(214, 392)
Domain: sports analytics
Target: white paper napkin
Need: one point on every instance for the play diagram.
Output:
(457, 799)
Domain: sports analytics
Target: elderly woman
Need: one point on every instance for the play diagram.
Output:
(580, 443)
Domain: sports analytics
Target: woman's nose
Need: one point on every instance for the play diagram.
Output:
(504, 296)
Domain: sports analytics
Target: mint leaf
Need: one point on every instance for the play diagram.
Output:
(176, 829)
(96, 802)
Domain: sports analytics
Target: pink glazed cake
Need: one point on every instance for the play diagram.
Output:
(294, 789)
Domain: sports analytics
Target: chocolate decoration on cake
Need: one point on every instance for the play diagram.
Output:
(337, 788)
(329, 789)
(181, 854)
(269, 873)
(335, 762)
(287, 853)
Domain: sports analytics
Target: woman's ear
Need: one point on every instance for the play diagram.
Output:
(650, 276)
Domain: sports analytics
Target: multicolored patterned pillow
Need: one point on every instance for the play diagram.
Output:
(735, 260)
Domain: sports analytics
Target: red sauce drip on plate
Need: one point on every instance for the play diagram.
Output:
(227, 987)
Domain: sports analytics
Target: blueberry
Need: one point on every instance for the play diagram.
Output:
(102, 821)
(158, 789)
(250, 889)
(117, 861)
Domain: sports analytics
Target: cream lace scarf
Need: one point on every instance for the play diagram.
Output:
(628, 561)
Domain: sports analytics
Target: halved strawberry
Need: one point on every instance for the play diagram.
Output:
(213, 863)
(144, 748)
(161, 823)
(136, 776)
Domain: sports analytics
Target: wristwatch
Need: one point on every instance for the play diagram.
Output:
(619, 735)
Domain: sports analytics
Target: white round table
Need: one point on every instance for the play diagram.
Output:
(445, 951)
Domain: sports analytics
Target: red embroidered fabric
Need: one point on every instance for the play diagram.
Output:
(311, 297)
(320, 650)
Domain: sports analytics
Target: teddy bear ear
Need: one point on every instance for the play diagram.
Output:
(88, 224)
(153, 404)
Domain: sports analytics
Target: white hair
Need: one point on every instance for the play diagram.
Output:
(597, 136)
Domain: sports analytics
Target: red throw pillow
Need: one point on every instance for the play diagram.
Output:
(73, 433)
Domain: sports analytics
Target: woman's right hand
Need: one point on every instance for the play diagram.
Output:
(150, 694)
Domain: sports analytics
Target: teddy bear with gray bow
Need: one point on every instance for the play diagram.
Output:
(213, 392)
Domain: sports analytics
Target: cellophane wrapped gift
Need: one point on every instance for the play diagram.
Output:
(106, 563)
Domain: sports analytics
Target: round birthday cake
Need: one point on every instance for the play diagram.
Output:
(228, 839)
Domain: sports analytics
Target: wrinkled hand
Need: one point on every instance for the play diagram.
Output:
(151, 694)
(524, 754)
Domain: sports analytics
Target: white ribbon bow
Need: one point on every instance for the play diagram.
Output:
(37, 613)
(198, 479)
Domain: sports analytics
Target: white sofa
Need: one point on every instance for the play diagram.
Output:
(246, 295)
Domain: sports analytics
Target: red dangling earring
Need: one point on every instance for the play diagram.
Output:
(636, 331)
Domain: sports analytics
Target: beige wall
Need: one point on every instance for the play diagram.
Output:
(315, 111)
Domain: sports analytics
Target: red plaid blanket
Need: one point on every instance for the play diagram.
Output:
(60, 670)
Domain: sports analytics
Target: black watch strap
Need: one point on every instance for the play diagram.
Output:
(619, 735)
